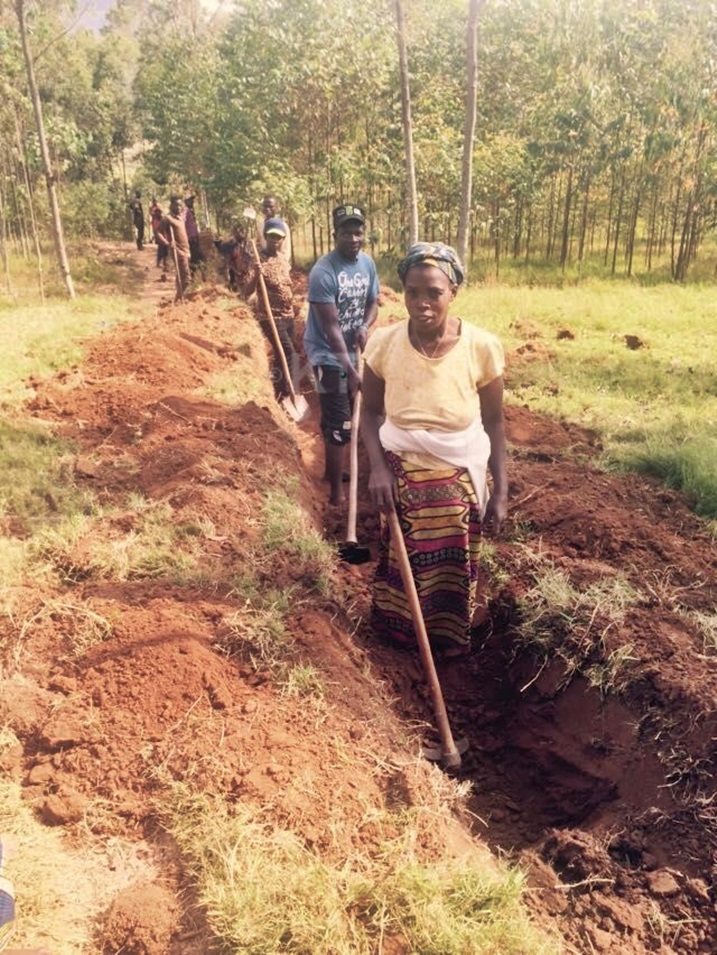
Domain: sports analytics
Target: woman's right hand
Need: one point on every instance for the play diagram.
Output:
(382, 486)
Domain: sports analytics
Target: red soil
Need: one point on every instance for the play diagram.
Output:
(606, 799)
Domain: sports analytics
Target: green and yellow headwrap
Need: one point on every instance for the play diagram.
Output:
(438, 255)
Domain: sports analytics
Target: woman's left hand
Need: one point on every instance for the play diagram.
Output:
(495, 514)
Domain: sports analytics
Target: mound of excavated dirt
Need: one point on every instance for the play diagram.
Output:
(603, 791)
(141, 921)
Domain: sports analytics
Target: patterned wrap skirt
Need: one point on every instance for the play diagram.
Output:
(440, 517)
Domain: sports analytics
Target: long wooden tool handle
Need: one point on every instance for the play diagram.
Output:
(272, 323)
(351, 537)
(451, 756)
(179, 285)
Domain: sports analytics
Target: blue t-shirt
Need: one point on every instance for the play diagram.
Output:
(351, 287)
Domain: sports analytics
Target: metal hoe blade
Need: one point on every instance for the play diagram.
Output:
(435, 754)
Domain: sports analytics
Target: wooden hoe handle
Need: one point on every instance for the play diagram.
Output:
(451, 757)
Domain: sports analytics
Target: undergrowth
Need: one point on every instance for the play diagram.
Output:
(266, 893)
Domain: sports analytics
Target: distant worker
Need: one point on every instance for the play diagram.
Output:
(277, 278)
(196, 256)
(270, 210)
(173, 234)
(155, 212)
(343, 304)
(237, 260)
(155, 215)
(138, 218)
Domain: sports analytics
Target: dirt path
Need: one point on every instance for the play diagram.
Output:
(601, 785)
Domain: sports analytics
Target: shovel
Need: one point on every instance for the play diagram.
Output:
(450, 752)
(350, 550)
(296, 406)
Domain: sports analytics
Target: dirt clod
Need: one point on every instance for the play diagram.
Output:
(140, 921)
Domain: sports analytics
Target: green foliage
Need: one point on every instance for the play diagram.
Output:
(95, 210)
(595, 142)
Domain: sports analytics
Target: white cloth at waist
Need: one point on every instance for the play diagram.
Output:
(469, 449)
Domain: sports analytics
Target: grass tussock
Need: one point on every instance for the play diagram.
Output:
(706, 624)
(142, 542)
(81, 626)
(265, 893)
(288, 534)
(36, 483)
(257, 635)
(573, 626)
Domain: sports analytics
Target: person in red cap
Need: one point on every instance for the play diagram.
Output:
(276, 270)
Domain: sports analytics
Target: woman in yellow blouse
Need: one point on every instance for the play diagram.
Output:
(432, 424)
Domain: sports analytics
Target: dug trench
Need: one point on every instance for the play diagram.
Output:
(591, 731)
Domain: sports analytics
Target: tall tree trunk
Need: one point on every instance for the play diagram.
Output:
(618, 222)
(583, 225)
(529, 234)
(496, 237)
(20, 10)
(652, 226)
(608, 233)
(474, 8)
(518, 226)
(682, 257)
(31, 206)
(584, 219)
(3, 244)
(676, 212)
(633, 225)
(412, 194)
(566, 219)
(20, 230)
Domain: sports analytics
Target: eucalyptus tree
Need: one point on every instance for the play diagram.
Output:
(407, 122)
(20, 7)
(304, 99)
(474, 9)
(177, 95)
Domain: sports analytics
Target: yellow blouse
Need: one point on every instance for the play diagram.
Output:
(434, 393)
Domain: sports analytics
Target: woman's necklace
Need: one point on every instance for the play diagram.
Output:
(436, 346)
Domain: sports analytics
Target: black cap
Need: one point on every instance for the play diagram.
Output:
(347, 213)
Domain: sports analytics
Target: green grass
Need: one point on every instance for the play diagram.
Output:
(287, 533)
(36, 483)
(561, 622)
(265, 893)
(40, 338)
(90, 547)
(655, 408)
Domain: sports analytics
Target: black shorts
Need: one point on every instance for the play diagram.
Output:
(333, 391)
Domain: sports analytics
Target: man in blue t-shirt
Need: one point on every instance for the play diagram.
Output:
(343, 303)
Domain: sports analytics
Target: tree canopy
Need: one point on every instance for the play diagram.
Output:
(594, 137)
